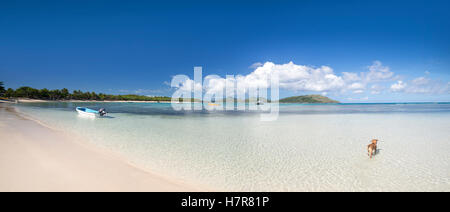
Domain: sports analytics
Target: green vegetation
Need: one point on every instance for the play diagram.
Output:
(308, 99)
(2, 89)
(64, 94)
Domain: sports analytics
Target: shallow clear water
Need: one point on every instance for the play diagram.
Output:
(309, 148)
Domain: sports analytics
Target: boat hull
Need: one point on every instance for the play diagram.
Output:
(87, 114)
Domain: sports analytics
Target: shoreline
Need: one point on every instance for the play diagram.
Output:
(35, 157)
(88, 101)
(41, 100)
(25, 100)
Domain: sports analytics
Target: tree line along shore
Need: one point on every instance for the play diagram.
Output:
(65, 94)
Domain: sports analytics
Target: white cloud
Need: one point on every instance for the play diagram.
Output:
(291, 77)
(214, 84)
(399, 86)
(255, 65)
(375, 92)
(421, 81)
(356, 86)
(376, 89)
(301, 78)
(188, 85)
(358, 99)
(378, 72)
(422, 85)
(298, 77)
(350, 77)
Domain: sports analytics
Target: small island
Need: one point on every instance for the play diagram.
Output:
(308, 99)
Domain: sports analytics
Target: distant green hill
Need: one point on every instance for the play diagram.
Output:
(308, 99)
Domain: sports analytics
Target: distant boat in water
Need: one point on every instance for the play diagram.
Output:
(84, 111)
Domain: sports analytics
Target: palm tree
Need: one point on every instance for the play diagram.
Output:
(65, 93)
(9, 93)
(2, 89)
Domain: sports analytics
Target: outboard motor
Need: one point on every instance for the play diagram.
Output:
(102, 112)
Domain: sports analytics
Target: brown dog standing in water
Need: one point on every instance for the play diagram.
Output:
(372, 148)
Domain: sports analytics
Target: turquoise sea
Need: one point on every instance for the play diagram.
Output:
(310, 147)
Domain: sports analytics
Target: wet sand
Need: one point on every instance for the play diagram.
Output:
(36, 158)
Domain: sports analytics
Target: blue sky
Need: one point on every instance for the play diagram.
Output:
(136, 46)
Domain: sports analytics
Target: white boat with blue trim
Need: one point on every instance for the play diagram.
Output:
(84, 111)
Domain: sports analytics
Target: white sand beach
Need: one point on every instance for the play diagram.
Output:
(27, 100)
(36, 158)
(150, 147)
